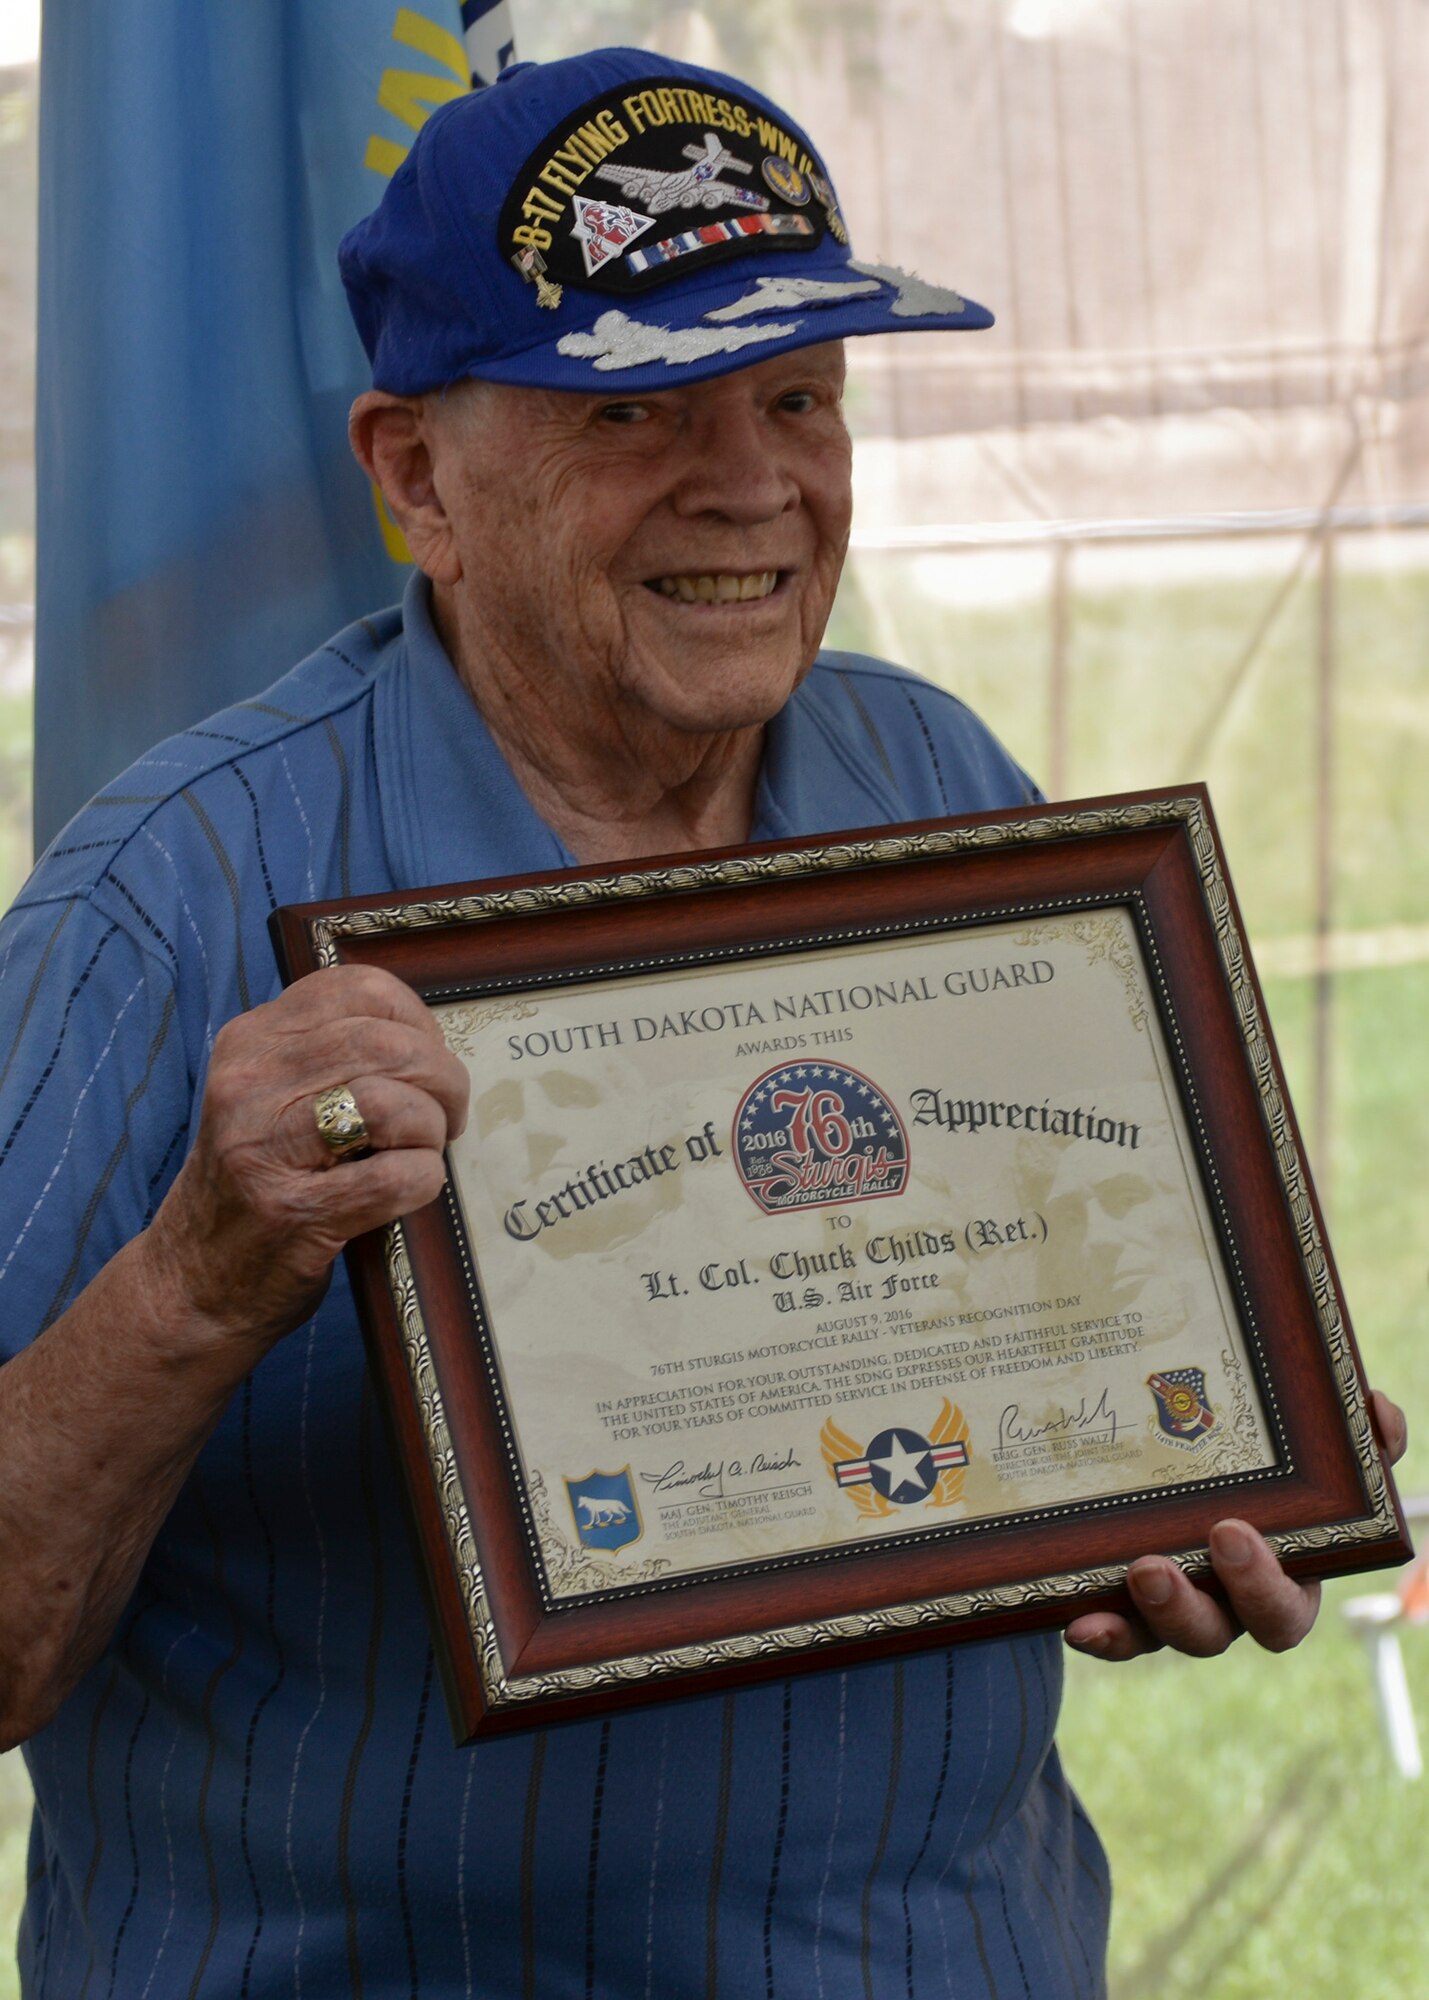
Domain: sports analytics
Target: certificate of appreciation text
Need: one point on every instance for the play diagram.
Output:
(781, 1257)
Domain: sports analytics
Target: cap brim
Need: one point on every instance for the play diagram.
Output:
(690, 334)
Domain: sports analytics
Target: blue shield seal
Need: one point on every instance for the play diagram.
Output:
(604, 1509)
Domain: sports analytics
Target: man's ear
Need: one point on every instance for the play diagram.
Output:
(391, 440)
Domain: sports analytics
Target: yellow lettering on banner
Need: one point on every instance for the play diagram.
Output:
(597, 139)
(415, 31)
(741, 121)
(669, 107)
(532, 235)
(775, 141)
(384, 156)
(538, 202)
(632, 112)
(557, 176)
(412, 94)
(393, 540)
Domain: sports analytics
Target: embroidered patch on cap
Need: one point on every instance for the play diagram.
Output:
(720, 176)
(786, 294)
(618, 341)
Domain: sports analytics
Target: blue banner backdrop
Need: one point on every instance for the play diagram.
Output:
(201, 524)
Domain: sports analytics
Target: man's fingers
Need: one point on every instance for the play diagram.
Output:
(348, 1047)
(351, 990)
(268, 1073)
(1262, 1600)
(1275, 1609)
(373, 1191)
(1109, 1635)
(398, 1116)
(1169, 1610)
(1175, 1612)
(1391, 1426)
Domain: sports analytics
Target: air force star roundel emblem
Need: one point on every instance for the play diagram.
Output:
(1182, 1412)
(807, 1134)
(900, 1467)
(606, 1513)
(605, 229)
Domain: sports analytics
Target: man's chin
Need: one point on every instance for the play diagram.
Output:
(715, 690)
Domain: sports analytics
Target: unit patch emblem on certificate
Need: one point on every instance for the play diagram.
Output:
(900, 1467)
(809, 1134)
(605, 229)
(1183, 1416)
(604, 1507)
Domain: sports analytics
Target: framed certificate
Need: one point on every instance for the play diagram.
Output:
(853, 1246)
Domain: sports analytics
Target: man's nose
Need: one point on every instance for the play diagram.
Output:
(736, 468)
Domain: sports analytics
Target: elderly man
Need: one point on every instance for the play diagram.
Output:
(604, 303)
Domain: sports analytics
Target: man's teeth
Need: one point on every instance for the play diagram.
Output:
(722, 589)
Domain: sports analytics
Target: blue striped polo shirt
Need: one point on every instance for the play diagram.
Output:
(255, 1791)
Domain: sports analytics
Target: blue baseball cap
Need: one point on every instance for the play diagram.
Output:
(618, 221)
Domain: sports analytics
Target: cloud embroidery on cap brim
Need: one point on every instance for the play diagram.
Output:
(789, 294)
(617, 341)
(915, 295)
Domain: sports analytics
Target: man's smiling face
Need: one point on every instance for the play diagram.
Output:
(671, 557)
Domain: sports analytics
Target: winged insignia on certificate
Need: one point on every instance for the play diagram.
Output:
(900, 1467)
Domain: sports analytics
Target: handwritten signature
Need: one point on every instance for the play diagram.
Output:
(709, 1480)
(1101, 1418)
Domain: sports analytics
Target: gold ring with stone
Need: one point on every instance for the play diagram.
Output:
(341, 1126)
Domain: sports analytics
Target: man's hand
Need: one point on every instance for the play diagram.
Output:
(102, 1416)
(246, 1238)
(1262, 1600)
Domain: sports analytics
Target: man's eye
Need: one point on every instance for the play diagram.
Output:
(623, 413)
(798, 402)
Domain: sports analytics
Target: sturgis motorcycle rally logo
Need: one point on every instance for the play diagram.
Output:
(807, 1134)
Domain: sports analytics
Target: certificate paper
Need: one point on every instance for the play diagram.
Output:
(783, 1257)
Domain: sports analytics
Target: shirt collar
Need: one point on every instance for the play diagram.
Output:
(817, 776)
(452, 809)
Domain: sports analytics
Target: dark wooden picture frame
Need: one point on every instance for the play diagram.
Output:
(511, 1658)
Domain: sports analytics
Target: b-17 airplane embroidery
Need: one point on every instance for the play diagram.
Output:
(696, 186)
